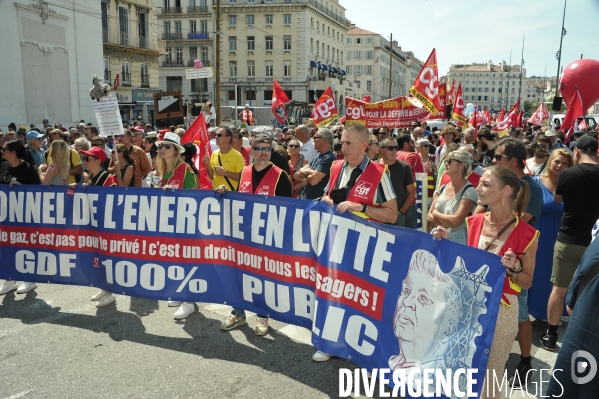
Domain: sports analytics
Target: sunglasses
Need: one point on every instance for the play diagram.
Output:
(89, 158)
(165, 146)
(97, 145)
(543, 146)
(219, 135)
(317, 137)
(499, 156)
(261, 149)
(424, 145)
(392, 147)
(293, 146)
(450, 160)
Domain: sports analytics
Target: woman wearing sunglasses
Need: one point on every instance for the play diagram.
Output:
(15, 171)
(124, 168)
(175, 173)
(296, 162)
(501, 232)
(57, 172)
(454, 201)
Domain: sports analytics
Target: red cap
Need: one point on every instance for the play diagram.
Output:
(95, 152)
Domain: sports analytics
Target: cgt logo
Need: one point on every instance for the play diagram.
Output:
(263, 190)
(583, 362)
(244, 186)
(363, 189)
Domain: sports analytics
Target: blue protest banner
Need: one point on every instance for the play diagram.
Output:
(379, 295)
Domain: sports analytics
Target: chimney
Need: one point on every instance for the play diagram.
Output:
(395, 44)
(490, 65)
(353, 26)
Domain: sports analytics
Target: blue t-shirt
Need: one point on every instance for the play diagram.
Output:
(535, 204)
(320, 163)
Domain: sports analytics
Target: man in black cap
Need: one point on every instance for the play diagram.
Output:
(578, 189)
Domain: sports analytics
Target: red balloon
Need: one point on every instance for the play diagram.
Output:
(583, 74)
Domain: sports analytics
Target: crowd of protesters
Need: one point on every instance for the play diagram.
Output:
(491, 190)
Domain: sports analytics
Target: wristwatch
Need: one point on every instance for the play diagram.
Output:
(364, 208)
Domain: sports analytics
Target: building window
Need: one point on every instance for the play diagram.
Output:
(204, 54)
(287, 19)
(349, 40)
(358, 40)
(232, 43)
(358, 69)
(193, 53)
(174, 83)
(486, 89)
(349, 55)
(348, 69)
(232, 68)
(358, 55)
(232, 20)
(250, 20)
(287, 43)
(192, 26)
(269, 19)
(269, 68)
(251, 68)
(368, 69)
(169, 55)
(311, 45)
(125, 72)
(179, 55)
(124, 25)
(369, 85)
(145, 76)
(203, 26)
(251, 43)
(286, 68)
(486, 98)
(178, 29)
(369, 55)
(107, 78)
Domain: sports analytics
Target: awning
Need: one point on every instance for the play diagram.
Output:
(342, 72)
(325, 67)
(335, 70)
(313, 64)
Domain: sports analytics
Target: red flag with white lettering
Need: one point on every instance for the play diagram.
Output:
(198, 135)
(458, 108)
(279, 99)
(426, 86)
(325, 110)
(451, 99)
(539, 115)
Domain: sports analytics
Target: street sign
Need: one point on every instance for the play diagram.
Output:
(169, 108)
(202, 73)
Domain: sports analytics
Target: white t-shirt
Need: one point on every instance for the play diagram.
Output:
(308, 150)
(535, 168)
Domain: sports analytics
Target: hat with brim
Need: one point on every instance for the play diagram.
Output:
(172, 138)
(33, 135)
(550, 133)
(95, 152)
(261, 140)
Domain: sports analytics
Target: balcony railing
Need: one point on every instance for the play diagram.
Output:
(198, 35)
(171, 10)
(126, 79)
(204, 62)
(145, 80)
(125, 39)
(172, 36)
(197, 9)
(174, 63)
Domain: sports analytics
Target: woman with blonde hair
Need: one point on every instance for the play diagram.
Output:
(500, 231)
(454, 201)
(548, 225)
(57, 172)
(175, 173)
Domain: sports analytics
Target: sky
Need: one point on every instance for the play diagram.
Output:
(466, 32)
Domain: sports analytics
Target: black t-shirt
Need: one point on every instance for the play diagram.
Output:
(321, 163)
(279, 160)
(579, 188)
(487, 158)
(283, 188)
(24, 174)
(401, 176)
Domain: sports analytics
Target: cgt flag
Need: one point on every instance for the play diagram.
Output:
(325, 111)
(198, 135)
(540, 115)
(279, 99)
(575, 109)
(426, 86)
(458, 108)
(508, 120)
(451, 98)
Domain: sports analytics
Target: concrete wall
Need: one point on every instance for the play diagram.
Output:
(50, 55)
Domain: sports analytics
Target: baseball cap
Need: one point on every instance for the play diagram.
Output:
(33, 135)
(95, 152)
(263, 130)
(587, 143)
(261, 140)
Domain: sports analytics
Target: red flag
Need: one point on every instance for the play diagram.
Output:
(539, 115)
(325, 110)
(115, 85)
(575, 109)
(473, 122)
(509, 119)
(279, 99)
(198, 135)
(366, 98)
(458, 108)
(583, 124)
(501, 115)
(426, 86)
(519, 119)
(450, 100)
(489, 117)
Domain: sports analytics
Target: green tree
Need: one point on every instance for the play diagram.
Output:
(530, 106)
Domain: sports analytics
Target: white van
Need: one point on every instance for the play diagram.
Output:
(589, 119)
(438, 123)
